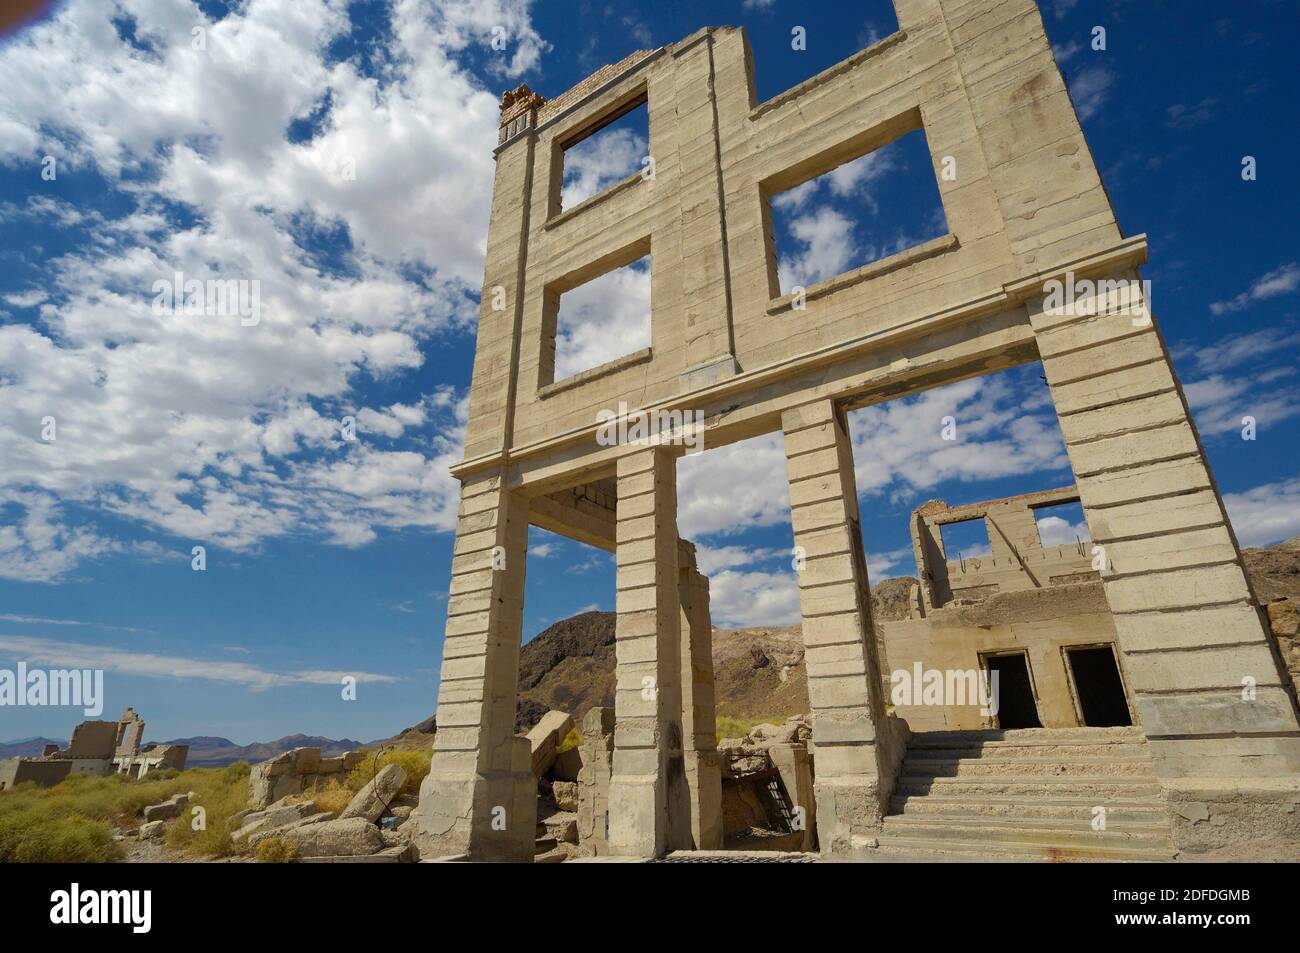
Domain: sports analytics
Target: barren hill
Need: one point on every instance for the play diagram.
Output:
(758, 672)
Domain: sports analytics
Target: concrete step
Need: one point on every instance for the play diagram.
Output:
(1025, 737)
(1101, 787)
(1011, 751)
(1026, 767)
(1011, 850)
(1118, 810)
(1034, 828)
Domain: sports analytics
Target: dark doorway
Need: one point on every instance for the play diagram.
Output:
(1098, 686)
(1016, 707)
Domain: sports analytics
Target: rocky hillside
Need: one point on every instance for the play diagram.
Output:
(758, 672)
(1275, 571)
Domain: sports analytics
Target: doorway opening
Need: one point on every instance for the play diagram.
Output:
(1017, 707)
(1098, 687)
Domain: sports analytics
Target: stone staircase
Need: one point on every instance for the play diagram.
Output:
(1028, 794)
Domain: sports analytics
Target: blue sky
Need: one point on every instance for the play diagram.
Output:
(340, 154)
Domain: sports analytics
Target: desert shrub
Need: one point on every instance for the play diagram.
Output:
(73, 821)
(729, 727)
(572, 740)
(31, 833)
(222, 793)
(415, 762)
(275, 850)
(334, 796)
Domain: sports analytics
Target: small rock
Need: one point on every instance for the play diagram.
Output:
(152, 830)
(565, 794)
(168, 809)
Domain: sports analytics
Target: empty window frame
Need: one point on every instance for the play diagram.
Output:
(597, 316)
(1061, 524)
(861, 202)
(965, 539)
(601, 154)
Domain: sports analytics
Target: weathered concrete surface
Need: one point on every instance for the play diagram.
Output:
(295, 772)
(373, 799)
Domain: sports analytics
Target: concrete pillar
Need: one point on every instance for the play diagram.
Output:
(699, 713)
(480, 797)
(705, 277)
(649, 809)
(855, 756)
(1205, 675)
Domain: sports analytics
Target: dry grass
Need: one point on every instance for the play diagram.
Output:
(74, 820)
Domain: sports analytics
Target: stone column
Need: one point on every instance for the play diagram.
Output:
(649, 809)
(699, 715)
(480, 797)
(1205, 675)
(855, 757)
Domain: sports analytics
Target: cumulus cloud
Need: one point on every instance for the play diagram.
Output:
(203, 426)
(1265, 514)
(603, 319)
(596, 163)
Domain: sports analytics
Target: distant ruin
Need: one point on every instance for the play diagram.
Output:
(97, 749)
(1035, 614)
(1215, 729)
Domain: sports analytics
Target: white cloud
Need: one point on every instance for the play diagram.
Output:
(45, 652)
(828, 248)
(596, 163)
(1280, 281)
(1089, 89)
(711, 559)
(882, 566)
(201, 427)
(733, 488)
(1265, 514)
(1066, 52)
(1253, 347)
(1003, 428)
(1055, 531)
(603, 319)
(754, 598)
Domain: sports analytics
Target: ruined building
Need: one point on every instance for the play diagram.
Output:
(1035, 614)
(97, 748)
(1216, 720)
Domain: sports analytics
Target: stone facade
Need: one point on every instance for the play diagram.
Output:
(1026, 207)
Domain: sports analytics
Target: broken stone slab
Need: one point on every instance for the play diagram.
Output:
(273, 817)
(373, 799)
(562, 826)
(402, 854)
(565, 795)
(267, 832)
(343, 837)
(152, 829)
(545, 738)
(168, 809)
